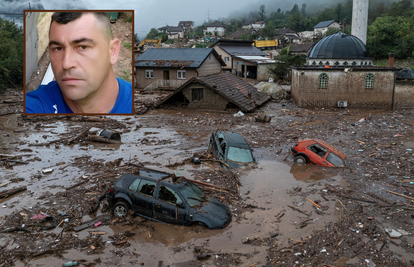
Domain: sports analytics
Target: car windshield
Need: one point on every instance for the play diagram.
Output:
(192, 194)
(239, 154)
(335, 160)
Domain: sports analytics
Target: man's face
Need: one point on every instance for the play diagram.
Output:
(80, 54)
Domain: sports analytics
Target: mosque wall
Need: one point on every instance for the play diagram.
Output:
(404, 95)
(343, 84)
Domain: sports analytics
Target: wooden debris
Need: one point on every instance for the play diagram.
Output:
(7, 193)
(401, 195)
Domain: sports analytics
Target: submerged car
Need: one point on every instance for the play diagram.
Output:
(230, 148)
(157, 196)
(318, 152)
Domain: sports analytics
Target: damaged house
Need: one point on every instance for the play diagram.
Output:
(169, 68)
(243, 58)
(218, 91)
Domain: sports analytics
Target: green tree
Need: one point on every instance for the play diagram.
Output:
(262, 12)
(389, 34)
(136, 39)
(268, 30)
(296, 22)
(401, 8)
(11, 55)
(153, 34)
(303, 10)
(284, 61)
(295, 9)
(331, 30)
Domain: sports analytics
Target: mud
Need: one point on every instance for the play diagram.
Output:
(273, 222)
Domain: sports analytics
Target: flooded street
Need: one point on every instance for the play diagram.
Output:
(274, 208)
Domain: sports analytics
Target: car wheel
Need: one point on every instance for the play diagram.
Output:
(300, 159)
(120, 209)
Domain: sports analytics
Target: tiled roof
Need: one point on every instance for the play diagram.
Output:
(175, 29)
(232, 88)
(284, 31)
(174, 57)
(185, 23)
(300, 47)
(238, 50)
(323, 24)
(239, 33)
(215, 24)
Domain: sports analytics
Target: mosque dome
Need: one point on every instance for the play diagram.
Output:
(405, 73)
(339, 45)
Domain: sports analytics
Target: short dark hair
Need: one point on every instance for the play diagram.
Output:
(66, 17)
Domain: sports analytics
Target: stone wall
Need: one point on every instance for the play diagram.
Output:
(211, 100)
(404, 95)
(343, 86)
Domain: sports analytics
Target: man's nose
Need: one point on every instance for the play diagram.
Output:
(69, 60)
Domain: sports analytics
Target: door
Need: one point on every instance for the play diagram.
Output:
(143, 199)
(166, 209)
(319, 154)
(166, 77)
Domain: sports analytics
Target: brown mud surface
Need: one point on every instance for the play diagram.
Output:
(274, 222)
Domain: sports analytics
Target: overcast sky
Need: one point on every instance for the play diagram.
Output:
(158, 13)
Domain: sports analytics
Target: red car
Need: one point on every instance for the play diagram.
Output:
(318, 152)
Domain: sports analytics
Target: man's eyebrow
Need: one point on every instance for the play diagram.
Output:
(83, 40)
(77, 41)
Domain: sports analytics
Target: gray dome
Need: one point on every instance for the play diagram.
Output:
(339, 45)
(405, 73)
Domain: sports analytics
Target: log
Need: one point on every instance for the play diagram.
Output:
(7, 193)
(15, 229)
(207, 184)
(75, 185)
(412, 198)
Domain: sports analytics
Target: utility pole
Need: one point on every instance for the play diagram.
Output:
(208, 15)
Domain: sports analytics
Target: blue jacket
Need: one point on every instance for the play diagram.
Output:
(48, 99)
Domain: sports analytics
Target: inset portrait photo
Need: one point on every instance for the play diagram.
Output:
(79, 62)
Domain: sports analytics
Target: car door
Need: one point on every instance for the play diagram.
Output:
(143, 198)
(165, 207)
(318, 155)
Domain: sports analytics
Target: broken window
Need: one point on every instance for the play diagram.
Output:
(197, 93)
(147, 188)
(134, 185)
(323, 80)
(149, 74)
(369, 80)
(169, 195)
(181, 74)
(318, 150)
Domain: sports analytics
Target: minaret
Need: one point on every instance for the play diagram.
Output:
(360, 19)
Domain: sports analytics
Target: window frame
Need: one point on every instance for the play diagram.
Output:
(149, 74)
(226, 59)
(369, 83)
(180, 77)
(323, 84)
(200, 95)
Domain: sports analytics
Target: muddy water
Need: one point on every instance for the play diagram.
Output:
(264, 187)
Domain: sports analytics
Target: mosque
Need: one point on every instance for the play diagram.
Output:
(340, 73)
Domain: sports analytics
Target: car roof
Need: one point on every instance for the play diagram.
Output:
(334, 150)
(235, 139)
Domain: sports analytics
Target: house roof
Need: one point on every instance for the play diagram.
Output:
(405, 73)
(175, 29)
(284, 31)
(185, 23)
(215, 24)
(323, 24)
(229, 86)
(237, 50)
(239, 33)
(259, 22)
(163, 28)
(175, 57)
(300, 48)
(257, 59)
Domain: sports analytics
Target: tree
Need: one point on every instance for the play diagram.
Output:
(295, 9)
(390, 34)
(153, 34)
(11, 55)
(401, 8)
(136, 39)
(331, 30)
(303, 10)
(284, 61)
(296, 22)
(268, 30)
(262, 12)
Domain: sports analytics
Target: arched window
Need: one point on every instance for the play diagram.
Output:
(369, 80)
(323, 80)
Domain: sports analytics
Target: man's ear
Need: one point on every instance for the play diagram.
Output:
(114, 46)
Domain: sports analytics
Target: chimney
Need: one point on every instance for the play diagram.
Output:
(391, 59)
